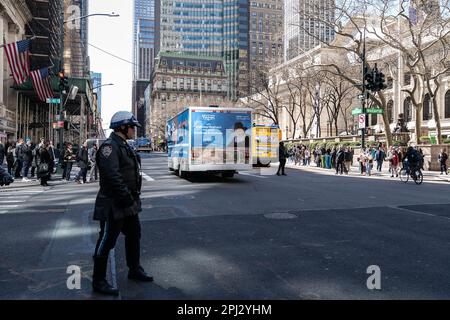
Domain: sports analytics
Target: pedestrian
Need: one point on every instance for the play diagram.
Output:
(92, 156)
(51, 151)
(369, 162)
(340, 158)
(380, 155)
(11, 157)
(442, 159)
(34, 158)
(347, 160)
(118, 203)
(83, 161)
(362, 162)
(2, 153)
(69, 159)
(307, 157)
(19, 158)
(44, 164)
(282, 156)
(61, 159)
(394, 162)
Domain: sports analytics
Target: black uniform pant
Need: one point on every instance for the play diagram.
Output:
(444, 167)
(281, 166)
(110, 230)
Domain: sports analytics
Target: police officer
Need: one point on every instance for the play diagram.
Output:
(118, 203)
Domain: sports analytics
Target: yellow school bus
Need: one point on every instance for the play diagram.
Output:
(265, 144)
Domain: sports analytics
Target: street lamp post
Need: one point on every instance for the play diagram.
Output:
(365, 92)
(103, 85)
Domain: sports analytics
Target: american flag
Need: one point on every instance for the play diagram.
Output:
(41, 83)
(18, 54)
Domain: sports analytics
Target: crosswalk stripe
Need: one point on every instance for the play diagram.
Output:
(252, 175)
(148, 178)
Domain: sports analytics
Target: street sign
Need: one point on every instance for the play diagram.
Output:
(356, 111)
(54, 100)
(58, 124)
(375, 111)
(362, 121)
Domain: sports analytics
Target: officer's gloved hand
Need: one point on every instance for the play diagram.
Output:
(126, 201)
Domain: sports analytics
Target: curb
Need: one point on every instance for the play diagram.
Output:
(376, 174)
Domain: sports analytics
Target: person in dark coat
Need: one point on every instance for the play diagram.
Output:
(44, 164)
(118, 202)
(69, 159)
(2, 153)
(282, 156)
(83, 162)
(442, 158)
(10, 157)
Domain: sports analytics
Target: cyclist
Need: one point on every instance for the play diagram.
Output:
(413, 159)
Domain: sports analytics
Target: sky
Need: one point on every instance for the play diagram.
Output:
(114, 35)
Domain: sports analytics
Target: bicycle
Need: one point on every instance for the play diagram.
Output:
(415, 174)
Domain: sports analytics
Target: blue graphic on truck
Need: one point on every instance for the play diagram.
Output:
(178, 135)
(215, 136)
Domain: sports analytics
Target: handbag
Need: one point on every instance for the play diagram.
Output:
(43, 168)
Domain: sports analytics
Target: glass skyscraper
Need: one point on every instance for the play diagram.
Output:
(143, 56)
(212, 28)
(143, 39)
(301, 15)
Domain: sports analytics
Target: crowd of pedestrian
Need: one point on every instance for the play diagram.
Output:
(342, 158)
(338, 158)
(27, 161)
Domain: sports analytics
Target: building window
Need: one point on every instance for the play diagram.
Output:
(407, 79)
(427, 114)
(390, 111)
(407, 109)
(390, 83)
(374, 120)
(447, 104)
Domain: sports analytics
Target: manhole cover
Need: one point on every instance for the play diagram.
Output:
(280, 215)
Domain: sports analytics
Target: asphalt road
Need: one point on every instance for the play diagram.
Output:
(306, 235)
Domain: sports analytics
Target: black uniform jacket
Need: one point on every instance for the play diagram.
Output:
(120, 180)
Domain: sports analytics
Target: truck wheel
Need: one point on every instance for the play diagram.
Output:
(227, 174)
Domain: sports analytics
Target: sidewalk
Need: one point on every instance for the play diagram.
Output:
(384, 174)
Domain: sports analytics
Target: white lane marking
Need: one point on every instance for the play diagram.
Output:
(252, 175)
(148, 178)
(4, 206)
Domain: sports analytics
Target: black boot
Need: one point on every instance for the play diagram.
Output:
(139, 275)
(99, 283)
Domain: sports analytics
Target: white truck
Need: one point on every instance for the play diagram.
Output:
(210, 139)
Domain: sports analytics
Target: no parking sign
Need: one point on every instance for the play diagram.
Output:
(362, 121)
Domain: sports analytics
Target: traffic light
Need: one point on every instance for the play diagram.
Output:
(380, 81)
(369, 79)
(63, 82)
